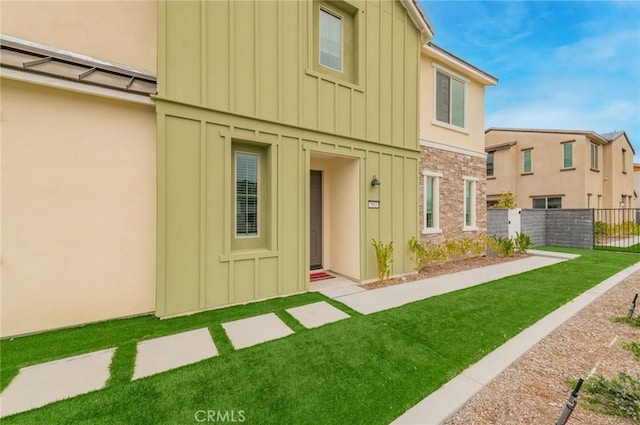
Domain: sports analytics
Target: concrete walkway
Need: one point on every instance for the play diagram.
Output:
(443, 403)
(375, 300)
(38, 385)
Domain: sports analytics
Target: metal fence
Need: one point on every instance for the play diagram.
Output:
(616, 229)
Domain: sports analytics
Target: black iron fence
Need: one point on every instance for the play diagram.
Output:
(616, 229)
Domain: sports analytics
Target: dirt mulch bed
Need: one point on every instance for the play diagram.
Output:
(534, 389)
(440, 269)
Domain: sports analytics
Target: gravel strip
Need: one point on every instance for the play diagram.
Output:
(534, 389)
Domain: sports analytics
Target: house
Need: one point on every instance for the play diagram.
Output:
(78, 167)
(560, 168)
(287, 139)
(276, 137)
(452, 159)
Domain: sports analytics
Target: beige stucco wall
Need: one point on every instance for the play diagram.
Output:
(123, 32)
(548, 178)
(472, 137)
(619, 178)
(78, 208)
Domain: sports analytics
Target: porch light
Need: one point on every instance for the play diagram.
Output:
(374, 181)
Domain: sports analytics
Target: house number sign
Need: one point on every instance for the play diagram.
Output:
(374, 204)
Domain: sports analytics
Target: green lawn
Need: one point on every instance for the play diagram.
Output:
(364, 370)
(633, 248)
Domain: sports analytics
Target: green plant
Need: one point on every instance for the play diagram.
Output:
(634, 347)
(522, 243)
(418, 253)
(635, 322)
(502, 246)
(384, 257)
(479, 245)
(453, 249)
(601, 229)
(506, 200)
(436, 253)
(619, 396)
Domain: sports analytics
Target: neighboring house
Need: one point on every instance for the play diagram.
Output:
(560, 168)
(453, 161)
(78, 166)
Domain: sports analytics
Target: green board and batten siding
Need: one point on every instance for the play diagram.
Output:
(242, 72)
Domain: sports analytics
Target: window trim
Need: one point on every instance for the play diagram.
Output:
(546, 201)
(323, 8)
(465, 81)
(235, 195)
(473, 208)
(436, 205)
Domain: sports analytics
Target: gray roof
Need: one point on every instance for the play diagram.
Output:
(612, 135)
(38, 59)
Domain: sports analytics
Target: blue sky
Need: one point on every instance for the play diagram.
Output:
(560, 64)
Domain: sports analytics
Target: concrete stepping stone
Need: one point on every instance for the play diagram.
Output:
(169, 352)
(255, 330)
(317, 314)
(36, 386)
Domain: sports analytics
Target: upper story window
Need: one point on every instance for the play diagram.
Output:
(330, 40)
(490, 159)
(336, 50)
(594, 156)
(567, 155)
(450, 99)
(624, 161)
(526, 161)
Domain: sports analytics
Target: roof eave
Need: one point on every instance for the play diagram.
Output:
(419, 18)
(448, 57)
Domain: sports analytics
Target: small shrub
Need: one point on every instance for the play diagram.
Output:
(479, 245)
(522, 243)
(635, 322)
(418, 253)
(634, 347)
(453, 249)
(502, 246)
(619, 396)
(601, 229)
(464, 246)
(384, 256)
(506, 200)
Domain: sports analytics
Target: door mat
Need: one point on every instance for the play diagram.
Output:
(319, 275)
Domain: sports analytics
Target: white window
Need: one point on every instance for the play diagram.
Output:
(470, 203)
(431, 219)
(247, 194)
(594, 156)
(330, 40)
(450, 99)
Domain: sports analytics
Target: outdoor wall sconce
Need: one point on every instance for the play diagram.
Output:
(374, 181)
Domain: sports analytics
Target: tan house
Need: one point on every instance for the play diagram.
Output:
(78, 167)
(452, 159)
(560, 168)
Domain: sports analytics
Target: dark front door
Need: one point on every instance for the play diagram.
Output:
(316, 220)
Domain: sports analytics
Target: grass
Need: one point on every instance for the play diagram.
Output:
(634, 348)
(367, 369)
(619, 396)
(633, 248)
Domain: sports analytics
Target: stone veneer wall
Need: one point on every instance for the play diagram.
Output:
(453, 167)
